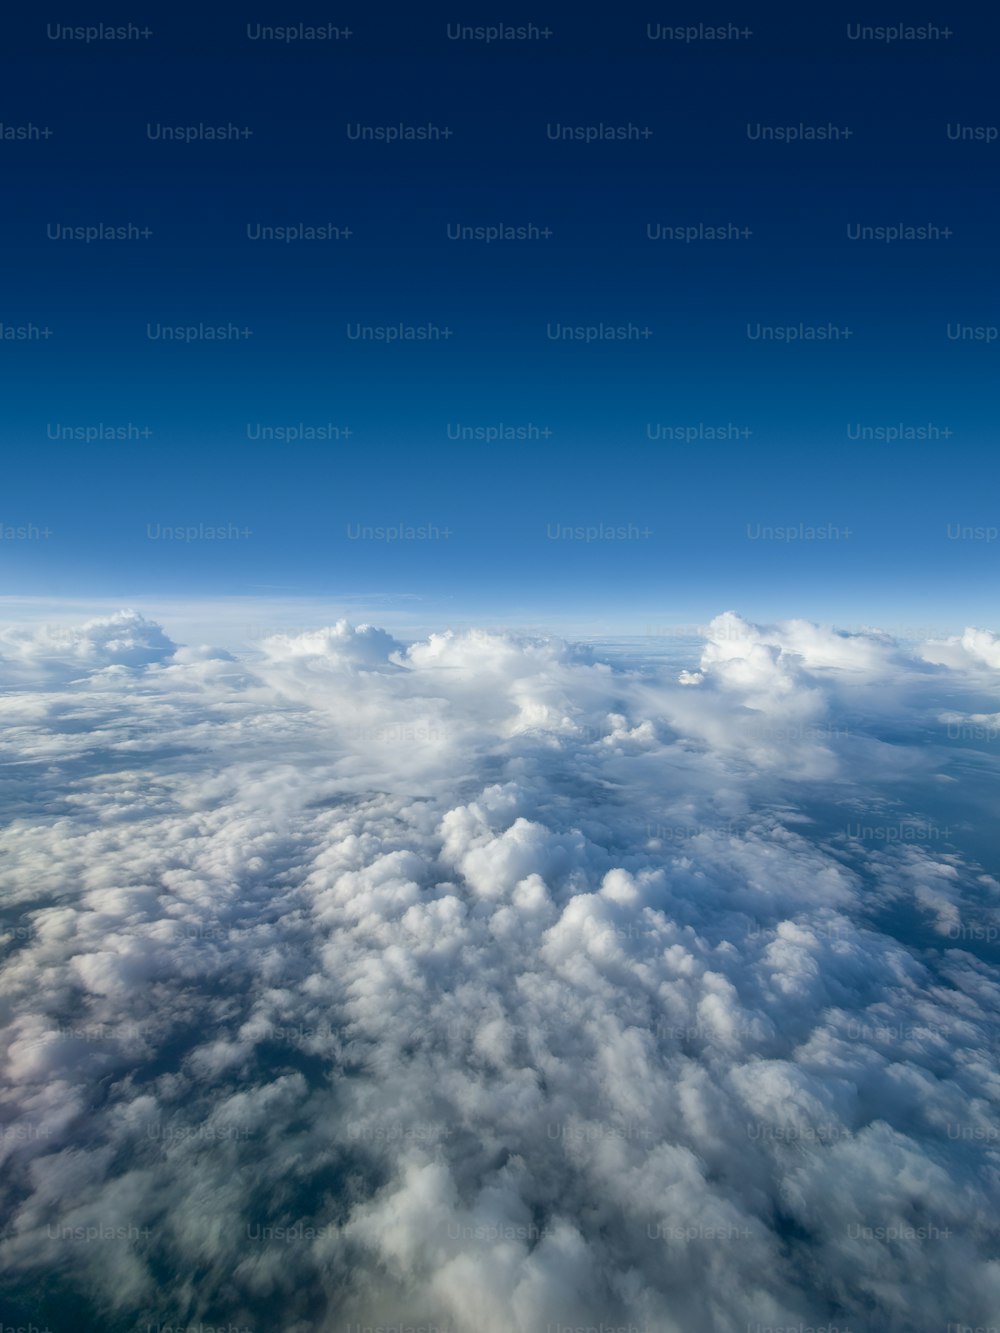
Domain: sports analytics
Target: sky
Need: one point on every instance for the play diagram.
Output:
(617, 433)
(499, 658)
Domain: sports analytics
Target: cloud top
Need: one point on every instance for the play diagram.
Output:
(481, 983)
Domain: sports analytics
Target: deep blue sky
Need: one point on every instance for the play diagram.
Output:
(598, 466)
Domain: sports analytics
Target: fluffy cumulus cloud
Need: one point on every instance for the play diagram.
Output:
(483, 985)
(124, 639)
(976, 647)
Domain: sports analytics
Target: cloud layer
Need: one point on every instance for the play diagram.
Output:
(482, 984)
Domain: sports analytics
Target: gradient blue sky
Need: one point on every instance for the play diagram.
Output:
(598, 466)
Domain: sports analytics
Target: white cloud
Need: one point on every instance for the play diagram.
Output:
(478, 982)
(974, 648)
(125, 638)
